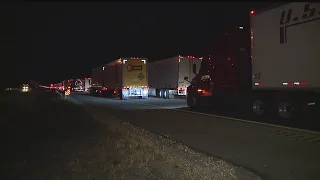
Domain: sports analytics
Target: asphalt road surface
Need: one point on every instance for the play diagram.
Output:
(272, 152)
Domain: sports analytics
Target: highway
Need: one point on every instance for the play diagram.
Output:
(272, 152)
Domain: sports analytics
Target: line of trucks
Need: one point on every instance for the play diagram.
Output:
(135, 77)
(76, 85)
(270, 68)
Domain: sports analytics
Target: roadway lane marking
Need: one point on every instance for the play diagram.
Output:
(230, 118)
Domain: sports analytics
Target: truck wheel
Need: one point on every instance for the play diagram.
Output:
(287, 110)
(192, 102)
(161, 93)
(258, 107)
(121, 96)
(166, 94)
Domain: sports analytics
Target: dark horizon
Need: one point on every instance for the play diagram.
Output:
(51, 42)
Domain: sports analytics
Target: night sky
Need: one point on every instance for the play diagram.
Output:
(50, 42)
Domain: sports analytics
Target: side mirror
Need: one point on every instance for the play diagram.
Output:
(194, 69)
(186, 79)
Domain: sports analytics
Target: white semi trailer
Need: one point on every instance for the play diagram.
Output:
(166, 77)
(282, 60)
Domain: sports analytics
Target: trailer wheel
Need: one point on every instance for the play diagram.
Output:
(161, 93)
(120, 95)
(166, 94)
(287, 110)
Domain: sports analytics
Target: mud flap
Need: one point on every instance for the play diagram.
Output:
(124, 94)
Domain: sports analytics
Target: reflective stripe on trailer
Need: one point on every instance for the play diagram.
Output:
(295, 83)
(285, 84)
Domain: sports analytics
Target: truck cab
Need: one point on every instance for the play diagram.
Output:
(225, 71)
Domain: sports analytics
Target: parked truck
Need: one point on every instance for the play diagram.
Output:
(271, 69)
(86, 84)
(166, 77)
(124, 77)
(78, 85)
(66, 84)
(96, 81)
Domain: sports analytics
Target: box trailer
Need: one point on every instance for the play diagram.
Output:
(271, 68)
(125, 77)
(166, 77)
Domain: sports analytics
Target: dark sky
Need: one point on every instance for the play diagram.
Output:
(50, 42)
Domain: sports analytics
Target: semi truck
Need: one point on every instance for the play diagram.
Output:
(72, 84)
(124, 77)
(96, 86)
(166, 77)
(78, 85)
(269, 69)
(86, 84)
(66, 84)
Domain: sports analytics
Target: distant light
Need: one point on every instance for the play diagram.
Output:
(103, 68)
(252, 12)
(240, 27)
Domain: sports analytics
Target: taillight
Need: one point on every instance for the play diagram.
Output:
(115, 92)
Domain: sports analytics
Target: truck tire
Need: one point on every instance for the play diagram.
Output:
(286, 110)
(192, 102)
(289, 109)
(161, 93)
(166, 94)
(258, 107)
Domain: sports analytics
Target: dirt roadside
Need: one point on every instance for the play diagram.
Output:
(129, 152)
(50, 138)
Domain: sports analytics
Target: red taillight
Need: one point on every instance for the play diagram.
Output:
(115, 92)
(104, 89)
(252, 12)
